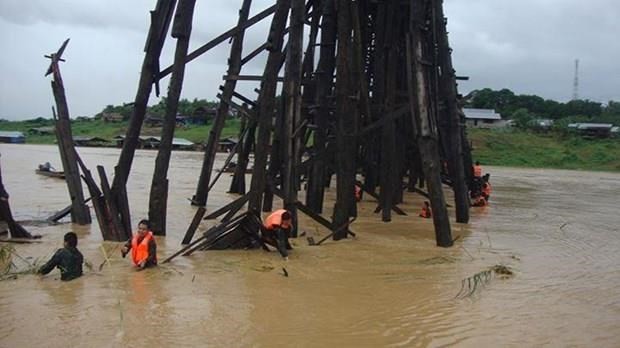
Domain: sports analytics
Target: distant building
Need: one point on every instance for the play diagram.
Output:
(153, 121)
(595, 130)
(483, 118)
(152, 142)
(84, 140)
(226, 144)
(112, 117)
(12, 137)
(42, 131)
(542, 124)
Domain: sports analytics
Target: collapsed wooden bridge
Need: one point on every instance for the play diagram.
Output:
(363, 90)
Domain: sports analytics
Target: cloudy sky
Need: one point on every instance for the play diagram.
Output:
(528, 46)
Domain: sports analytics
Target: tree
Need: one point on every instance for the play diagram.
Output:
(522, 118)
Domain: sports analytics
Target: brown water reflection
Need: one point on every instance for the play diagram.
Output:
(558, 230)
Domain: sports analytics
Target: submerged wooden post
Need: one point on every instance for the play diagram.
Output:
(447, 89)
(346, 124)
(234, 67)
(266, 104)
(292, 110)
(80, 213)
(15, 229)
(160, 21)
(181, 30)
(427, 136)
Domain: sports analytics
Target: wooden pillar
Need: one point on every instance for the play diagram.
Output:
(346, 124)
(388, 171)
(15, 229)
(181, 30)
(423, 118)
(292, 109)
(234, 67)
(160, 21)
(324, 85)
(80, 213)
(266, 104)
(448, 93)
(238, 183)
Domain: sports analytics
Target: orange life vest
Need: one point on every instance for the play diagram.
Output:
(140, 251)
(478, 171)
(274, 220)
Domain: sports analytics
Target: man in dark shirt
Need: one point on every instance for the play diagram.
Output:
(68, 259)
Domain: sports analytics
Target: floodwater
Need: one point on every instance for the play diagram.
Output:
(389, 287)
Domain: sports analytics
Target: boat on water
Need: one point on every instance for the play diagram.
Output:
(50, 173)
(46, 169)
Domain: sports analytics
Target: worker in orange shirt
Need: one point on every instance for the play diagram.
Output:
(277, 231)
(426, 210)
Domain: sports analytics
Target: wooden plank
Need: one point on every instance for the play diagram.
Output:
(237, 202)
(194, 225)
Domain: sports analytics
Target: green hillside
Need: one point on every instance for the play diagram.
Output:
(517, 148)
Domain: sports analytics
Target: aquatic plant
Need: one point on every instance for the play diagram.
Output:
(13, 265)
(470, 285)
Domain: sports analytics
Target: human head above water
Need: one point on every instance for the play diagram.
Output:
(71, 239)
(286, 216)
(143, 226)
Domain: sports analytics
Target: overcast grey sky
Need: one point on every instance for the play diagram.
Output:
(528, 46)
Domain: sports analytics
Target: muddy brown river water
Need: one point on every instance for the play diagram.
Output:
(558, 231)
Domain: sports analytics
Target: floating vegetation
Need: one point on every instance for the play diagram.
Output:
(263, 268)
(437, 260)
(13, 265)
(470, 285)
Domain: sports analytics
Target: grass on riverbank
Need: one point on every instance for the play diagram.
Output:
(501, 147)
(108, 130)
(516, 148)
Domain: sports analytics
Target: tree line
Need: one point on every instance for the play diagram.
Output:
(186, 107)
(524, 108)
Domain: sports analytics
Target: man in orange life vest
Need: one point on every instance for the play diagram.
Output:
(426, 210)
(358, 193)
(142, 246)
(277, 230)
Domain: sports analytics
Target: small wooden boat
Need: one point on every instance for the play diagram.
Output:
(50, 173)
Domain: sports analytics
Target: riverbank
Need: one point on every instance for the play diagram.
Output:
(38, 131)
(511, 147)
(501, 147)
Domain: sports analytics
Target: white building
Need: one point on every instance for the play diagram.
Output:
(483, 118)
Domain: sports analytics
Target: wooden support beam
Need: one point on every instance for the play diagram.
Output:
(237, 202)
(194, 225)
(234, 61)
(241, 27)
(158, 198)
(247, 78)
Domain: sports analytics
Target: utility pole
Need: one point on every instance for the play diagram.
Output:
(576, 81)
